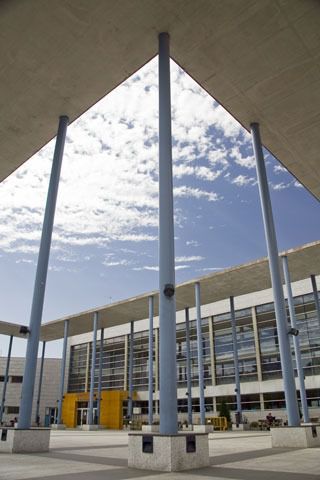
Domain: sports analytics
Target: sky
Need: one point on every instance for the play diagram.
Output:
(105, 239)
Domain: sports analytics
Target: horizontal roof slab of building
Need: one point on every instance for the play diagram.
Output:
(235, 281)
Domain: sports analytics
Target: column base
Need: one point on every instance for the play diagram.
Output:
(58, 426)
(90, 428)
(203, 428)
(240, 427)
(188, 428)
(14, 440)
(296, 437)
(150, 428)
(168, 453)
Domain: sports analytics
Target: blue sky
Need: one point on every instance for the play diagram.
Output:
(104, 244)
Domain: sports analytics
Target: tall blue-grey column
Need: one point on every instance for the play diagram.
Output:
(37, 416)
(40, 281)
(93, 367)
(235, 360)
(6, 378)
(316, 296)
(62, 371)
(131, 351)
(150, 366)
(188, 367)
(296, 341)
(167, 303)
(279, 304)
(100, 376)
(200, 354)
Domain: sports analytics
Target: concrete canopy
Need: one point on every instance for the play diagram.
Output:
(9, 329)
(259, 58)
(236, 281)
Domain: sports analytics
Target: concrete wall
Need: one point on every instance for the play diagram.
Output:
(50, 385)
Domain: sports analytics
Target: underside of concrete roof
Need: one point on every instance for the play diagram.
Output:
(259, 58)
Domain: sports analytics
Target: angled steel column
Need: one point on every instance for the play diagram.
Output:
(86, 384)
(6, 378)
(280, 310)
(150, 365)
(212, 352)
(62, 371)
(40, 281)
(235, 359)
(296, 341)
(256, 343)
(100, 376)
(167, 303)
(125, 372)
(37, 417)
(188, 366)
(200, 354)
(156, 352)
(93, 367)
(316, 296)
(131, 349)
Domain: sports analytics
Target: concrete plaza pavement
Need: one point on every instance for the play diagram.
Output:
(77, 455)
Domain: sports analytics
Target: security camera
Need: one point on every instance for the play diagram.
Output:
(168, 290)
(24, 330)
(293, 331)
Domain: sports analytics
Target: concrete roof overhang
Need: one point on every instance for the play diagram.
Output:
(235, 281)
(259, 58)
(11, 329)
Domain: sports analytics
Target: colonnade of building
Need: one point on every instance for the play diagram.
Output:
(248, 335)
(167, 307)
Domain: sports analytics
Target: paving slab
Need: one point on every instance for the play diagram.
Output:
(77, 455)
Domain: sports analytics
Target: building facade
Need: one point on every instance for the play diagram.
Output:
(49, 390)
(258, 353)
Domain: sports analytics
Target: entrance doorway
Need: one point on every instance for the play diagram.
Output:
(83, 413)
(50, 416)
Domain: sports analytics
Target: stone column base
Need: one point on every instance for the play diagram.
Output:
(58, 426)
(14, 440)
(168, 453)
(150, 428)
(240, 426)
(89, 428)
(203, 428)
(296, 437)
(188, 428)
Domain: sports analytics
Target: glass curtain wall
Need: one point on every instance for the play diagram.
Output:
(114, 367)
(182, 354)
(224, 347)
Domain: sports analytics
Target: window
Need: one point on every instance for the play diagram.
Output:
(12, 410)
(16, 379)
(274, 401)
(1, 378)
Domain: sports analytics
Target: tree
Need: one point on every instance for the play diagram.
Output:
(224, 411)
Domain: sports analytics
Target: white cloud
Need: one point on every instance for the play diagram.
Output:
(280, 186)
(109, 180)
(192, 258)
(117, 263)
(279, 169)
(192, 243)
(210, 269)
(243, 181)
(185, 191)
(152, 268)
(244, 161)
